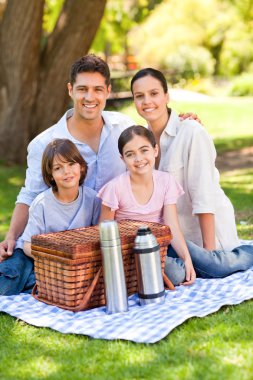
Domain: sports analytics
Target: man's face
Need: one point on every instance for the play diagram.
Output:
(89, 94)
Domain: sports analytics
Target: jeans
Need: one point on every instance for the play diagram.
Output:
(209, 264)
(16, 274)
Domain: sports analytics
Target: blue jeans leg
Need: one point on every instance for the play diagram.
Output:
(16, 274)
(220, 263)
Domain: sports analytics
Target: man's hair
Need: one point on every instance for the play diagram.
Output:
(66, 151)
(90, 63)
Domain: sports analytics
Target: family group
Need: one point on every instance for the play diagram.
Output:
(94, 165)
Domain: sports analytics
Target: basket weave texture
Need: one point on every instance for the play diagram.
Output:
(68, 264)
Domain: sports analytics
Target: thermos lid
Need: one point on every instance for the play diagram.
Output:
(143, 230)
(108, 230)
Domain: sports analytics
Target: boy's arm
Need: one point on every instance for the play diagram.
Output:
(28, 249)
(18, 222)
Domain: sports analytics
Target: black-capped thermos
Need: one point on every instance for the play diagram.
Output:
(148, 267)
(114, 275)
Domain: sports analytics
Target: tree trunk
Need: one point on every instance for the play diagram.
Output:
(20, 35)
(39, 93)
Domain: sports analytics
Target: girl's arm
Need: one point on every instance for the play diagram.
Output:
(207, 226)
(178, 243)
(27, 249)
(106, 213)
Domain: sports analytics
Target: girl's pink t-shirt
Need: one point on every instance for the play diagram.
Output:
(117, 194)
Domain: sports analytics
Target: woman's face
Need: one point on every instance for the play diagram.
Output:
(150, 99)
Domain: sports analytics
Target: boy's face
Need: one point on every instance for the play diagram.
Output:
(89, 94)
(66, 174)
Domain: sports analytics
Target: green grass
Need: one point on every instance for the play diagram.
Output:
(217, 347)
(228, 120)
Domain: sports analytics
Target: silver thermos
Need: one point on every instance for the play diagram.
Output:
(114, 276)
(148, 267)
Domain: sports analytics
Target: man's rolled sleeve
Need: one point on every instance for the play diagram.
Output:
(34, 183)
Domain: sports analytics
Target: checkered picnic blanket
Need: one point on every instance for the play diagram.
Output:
(142, 324)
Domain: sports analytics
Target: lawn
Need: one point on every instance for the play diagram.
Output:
(218, 346)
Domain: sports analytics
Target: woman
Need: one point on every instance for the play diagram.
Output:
(186, 150)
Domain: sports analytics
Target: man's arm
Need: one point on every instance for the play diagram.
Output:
(18, 222)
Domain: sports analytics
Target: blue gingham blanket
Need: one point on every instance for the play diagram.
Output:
(142, 324)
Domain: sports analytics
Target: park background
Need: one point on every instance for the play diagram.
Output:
(205, 49)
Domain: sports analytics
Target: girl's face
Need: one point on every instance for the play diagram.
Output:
(139, 155)
(66, 174)
(150, 99)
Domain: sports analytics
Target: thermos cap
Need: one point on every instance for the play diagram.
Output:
(143, 230)
(108, 230)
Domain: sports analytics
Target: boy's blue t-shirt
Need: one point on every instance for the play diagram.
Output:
(47, 214)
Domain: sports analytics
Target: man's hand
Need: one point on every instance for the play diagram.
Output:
(6, 248)
(191, 116)
(18, 222)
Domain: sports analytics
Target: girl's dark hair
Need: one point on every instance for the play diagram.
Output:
(135, 130)
(67, 151)
(152, 73)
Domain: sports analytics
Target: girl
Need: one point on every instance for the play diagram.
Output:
(67, 204)
(143, 193)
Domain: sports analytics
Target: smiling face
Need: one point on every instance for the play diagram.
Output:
(89, 93)
(66, 174)
(139, 155)
(150, 99)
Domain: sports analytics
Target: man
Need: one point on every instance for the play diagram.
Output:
(93, 130)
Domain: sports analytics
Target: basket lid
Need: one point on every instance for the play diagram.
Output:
(86, 239)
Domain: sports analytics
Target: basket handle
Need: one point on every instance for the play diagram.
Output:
(84, 301)
(168, 283)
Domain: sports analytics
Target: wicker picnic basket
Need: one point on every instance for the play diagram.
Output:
(68, 264)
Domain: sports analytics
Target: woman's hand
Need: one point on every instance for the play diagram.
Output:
(190, 274)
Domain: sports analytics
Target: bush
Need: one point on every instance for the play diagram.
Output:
(242, 86)
(189, 62)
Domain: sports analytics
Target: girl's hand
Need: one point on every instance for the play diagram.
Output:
(190, 275)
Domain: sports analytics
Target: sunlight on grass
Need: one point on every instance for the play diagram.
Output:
(226, 119)
(16, 181)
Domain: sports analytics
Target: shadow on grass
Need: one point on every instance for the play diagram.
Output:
(227, 144)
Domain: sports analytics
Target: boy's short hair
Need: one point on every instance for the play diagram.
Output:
(90, 63)
(67, 151)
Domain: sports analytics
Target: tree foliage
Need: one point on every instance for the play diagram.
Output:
(120, 17)
(197, 38)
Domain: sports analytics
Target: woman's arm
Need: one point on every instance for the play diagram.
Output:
(207, 226)
(27, 249)
(178, 243)
(106, 213)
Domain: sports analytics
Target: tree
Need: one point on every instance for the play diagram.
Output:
(34, 67)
